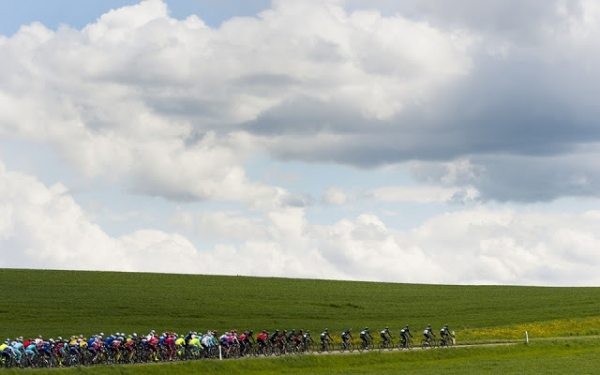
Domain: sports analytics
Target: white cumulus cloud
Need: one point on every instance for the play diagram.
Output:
(44, 227)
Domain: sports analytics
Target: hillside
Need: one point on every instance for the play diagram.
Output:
(55, 303)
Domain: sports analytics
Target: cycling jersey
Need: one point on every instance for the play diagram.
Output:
(262, 336)
(207, 341)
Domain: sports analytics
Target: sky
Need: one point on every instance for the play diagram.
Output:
(419, 141)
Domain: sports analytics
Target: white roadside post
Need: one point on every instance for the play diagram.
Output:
(220, 353)
(526, 338)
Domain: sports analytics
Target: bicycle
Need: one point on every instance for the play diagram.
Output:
(326, 346)
(387, 344)
(429, 342)
(346, 345)
(309, 345)
(405, 343)
(8, 361)
(366, 344)
(447, 340)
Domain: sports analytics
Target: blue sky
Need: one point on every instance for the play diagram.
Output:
(337, 139)
(77, 14)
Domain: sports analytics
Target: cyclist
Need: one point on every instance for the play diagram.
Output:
(298, 340)
(325, 339)
(7, 351)
(208, 342)
(18, 349)
(195, 344)
(366, 337)
(405, 336)
(169, 344)
(274, 337)
(130, 346)
(291, 336)
(428, 334)
(262, 338)
(346, 337)
(224, 339)
(46, 348)
(307, 340)
(31, 351)
(445, 334)
(386, 337)
(246, 341)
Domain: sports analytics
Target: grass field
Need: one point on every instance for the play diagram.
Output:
(55, 303)
(575, 356)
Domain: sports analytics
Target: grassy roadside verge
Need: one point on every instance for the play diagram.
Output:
(589, 326)
(575, 355)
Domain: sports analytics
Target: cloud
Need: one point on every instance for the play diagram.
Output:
(174, 108)
(335, 196)
(524, 104)
(163, 105)
(424, 194)
(523, 178)
(43, 227)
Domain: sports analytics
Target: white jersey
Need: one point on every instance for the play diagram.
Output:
(207, 340)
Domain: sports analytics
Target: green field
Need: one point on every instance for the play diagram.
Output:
(576, 356)
(55, 303)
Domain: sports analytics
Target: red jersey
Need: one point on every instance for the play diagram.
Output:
(263, 336)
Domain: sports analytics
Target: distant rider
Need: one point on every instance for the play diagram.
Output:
(386, 336)
(428, 334)
(405, 336)
(325, 338)
(346, 338)
(445, 334)
(366, 337)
